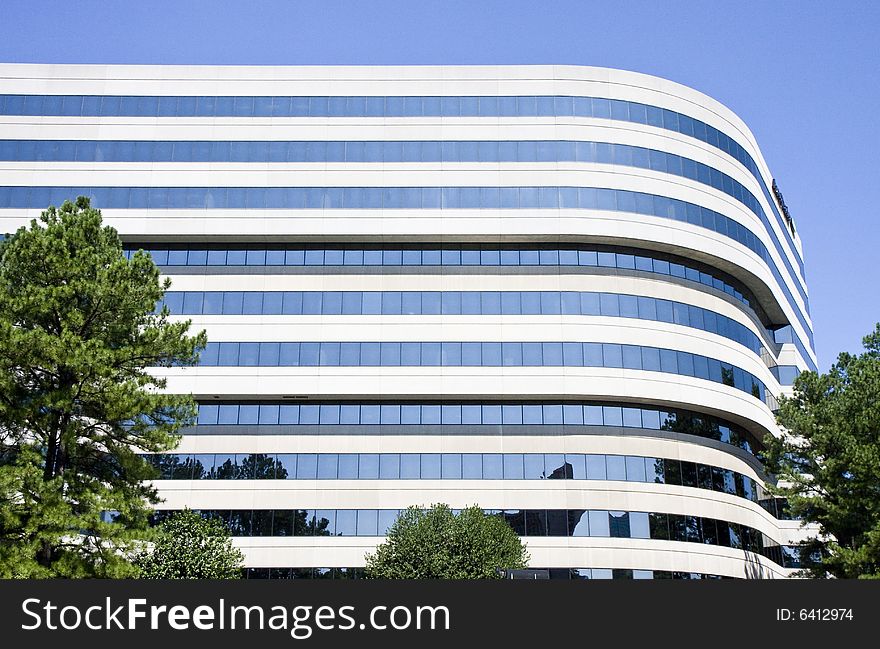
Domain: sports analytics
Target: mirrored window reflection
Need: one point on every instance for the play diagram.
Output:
(410, 198)
(528, 522)
(457, 303)
(380, 151)
(171, 106)
(453, 466)
(643, 261)
(491, 354)
(658, 470)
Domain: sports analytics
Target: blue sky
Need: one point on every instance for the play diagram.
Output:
(804, 75)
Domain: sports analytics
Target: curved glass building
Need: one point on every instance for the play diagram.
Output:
(569, 295)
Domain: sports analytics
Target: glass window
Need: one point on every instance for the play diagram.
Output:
(717, 478)
(327, 465)
(556, 467)
(654, 470)
(367, 522)
(616, 467)
(704, 476)
(688, 474)
(693, 529)
(491, 414)
(632, 359)
(176, 258)
(471, 414)
(471, 466)
(493, 466)
(651, 419)
(387, 518)
(389, 414)
(710, 531)
(307, 466)
(595, 467)
(639, 525)
(430, 465)
(348, 414)
(250, 463)
(288, 355)
(208, 414)
(431, 414)
(268, 414)
(651, 359)
(513, 466)
(233, 302)
(309, 354)
(576, 467)
(174, 300)
(677, 527)
(347, 466)
(619, 525)
(552, 356)
(735, 535)
(516, 519)
(410, 466)
(370, 356)
(635, 469)
(672, 471)
(728, 481)
(470, 257)
(249, 354)
(612, 356)
(248, 414)
(658, 526)
(532, 414)
(409, 414)
(368, 466)
(536, 522)
(450, 414)
(328, 414)
(578, 522)
(511, 414)
(451, 466)
(389, 466)
(325, 522)
(273, 303)
(282, 522)
(225, 467)
(309, 414)
(511, 354)
(593, 416)
(346, 522)
(572, 414)
(612, 415)
(599, 525)
(557, 522)
(632, 417)
(668, 361)
(228, 414)
(533, 466)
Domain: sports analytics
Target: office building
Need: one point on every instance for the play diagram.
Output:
(569, 295)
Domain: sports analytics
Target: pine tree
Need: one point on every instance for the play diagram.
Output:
(829, 463)
(78, 332)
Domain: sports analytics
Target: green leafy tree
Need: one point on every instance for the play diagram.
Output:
(78, 332)
(188, 546)
(829, 465)
(439, 544)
